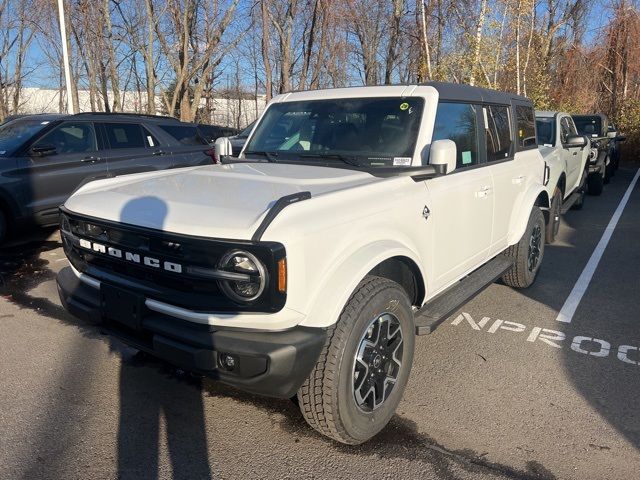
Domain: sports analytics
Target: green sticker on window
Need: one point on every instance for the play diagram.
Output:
(404, 106)
(466, 157)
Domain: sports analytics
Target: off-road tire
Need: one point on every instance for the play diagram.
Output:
(582, 188)
(553, 225)
(326, 398)
(608, 170)
(595, 183)
(520, 275)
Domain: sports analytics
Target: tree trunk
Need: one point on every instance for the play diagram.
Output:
(268, 82)
(478, 40)
(392, 48)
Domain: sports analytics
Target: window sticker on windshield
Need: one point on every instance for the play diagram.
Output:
(401, 161)
(404, 106)
(466, 157)
(150, 140)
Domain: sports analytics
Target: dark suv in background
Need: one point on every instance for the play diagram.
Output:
(44, 158)
(601, 167)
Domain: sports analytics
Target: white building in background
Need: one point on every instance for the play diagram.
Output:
(224, 111)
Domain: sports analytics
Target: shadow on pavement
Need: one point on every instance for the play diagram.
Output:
(144, 403)
(606, 324)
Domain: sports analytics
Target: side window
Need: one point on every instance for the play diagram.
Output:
(70, 138)
(125, 135)
(149, 139)
(458, 122)
(498, 132)
(526, 125)
(185, 134)
(565, 129)
(572, 127)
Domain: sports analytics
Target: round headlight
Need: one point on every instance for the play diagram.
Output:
(252, 271)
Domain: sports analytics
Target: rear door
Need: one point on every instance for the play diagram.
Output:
(509, 170)
(462, 200)
(190, 146)
(73, 158)
(132, 148)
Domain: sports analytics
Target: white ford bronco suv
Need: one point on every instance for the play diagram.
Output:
(567, 154)
(353, 220)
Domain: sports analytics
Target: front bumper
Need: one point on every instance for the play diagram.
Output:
(267, 363)
(599, 164)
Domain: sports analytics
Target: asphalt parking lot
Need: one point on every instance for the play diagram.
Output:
(501, 390)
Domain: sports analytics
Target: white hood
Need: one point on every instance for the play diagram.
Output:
(217, 201)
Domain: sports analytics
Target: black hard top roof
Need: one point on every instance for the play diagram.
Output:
(467, 93)
(591, 115)
(126, 116)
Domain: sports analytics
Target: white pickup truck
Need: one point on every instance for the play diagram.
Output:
(566, 153)
(353, 220)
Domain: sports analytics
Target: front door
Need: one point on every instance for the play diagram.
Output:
(572, 156)
(462, 201)
(71, 157)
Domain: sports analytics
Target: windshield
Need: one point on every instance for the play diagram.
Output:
(590, 126)
(369, 132)
(14, 133)
(546, 130)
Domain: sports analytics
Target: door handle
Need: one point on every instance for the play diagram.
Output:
(158, 152)
(518, 180)
(483, 192)
(91, 159)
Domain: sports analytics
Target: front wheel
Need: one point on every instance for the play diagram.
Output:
(358, 381)
(527, 253)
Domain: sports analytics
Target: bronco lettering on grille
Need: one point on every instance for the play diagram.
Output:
(130, 256)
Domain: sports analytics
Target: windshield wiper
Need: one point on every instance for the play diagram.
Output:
(349, 160)
(270, 156)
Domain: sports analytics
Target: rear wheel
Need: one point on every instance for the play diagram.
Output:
(360, 376)
(595, 183)
(553, 225)
(527, 253)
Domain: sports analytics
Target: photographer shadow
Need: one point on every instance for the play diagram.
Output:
(152, 402)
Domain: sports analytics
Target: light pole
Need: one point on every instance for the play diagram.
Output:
(65, 57)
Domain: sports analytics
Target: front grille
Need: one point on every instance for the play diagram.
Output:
(175, 285)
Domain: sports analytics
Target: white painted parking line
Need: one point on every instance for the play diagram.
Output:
(573, 300)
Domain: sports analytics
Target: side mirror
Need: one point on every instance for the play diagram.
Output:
(443, 152)
(223, 148)
(42, 150)
(575, 141)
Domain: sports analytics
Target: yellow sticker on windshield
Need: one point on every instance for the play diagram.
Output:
(404, 106)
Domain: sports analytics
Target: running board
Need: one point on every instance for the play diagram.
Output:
(437, 310)
(568, 203)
